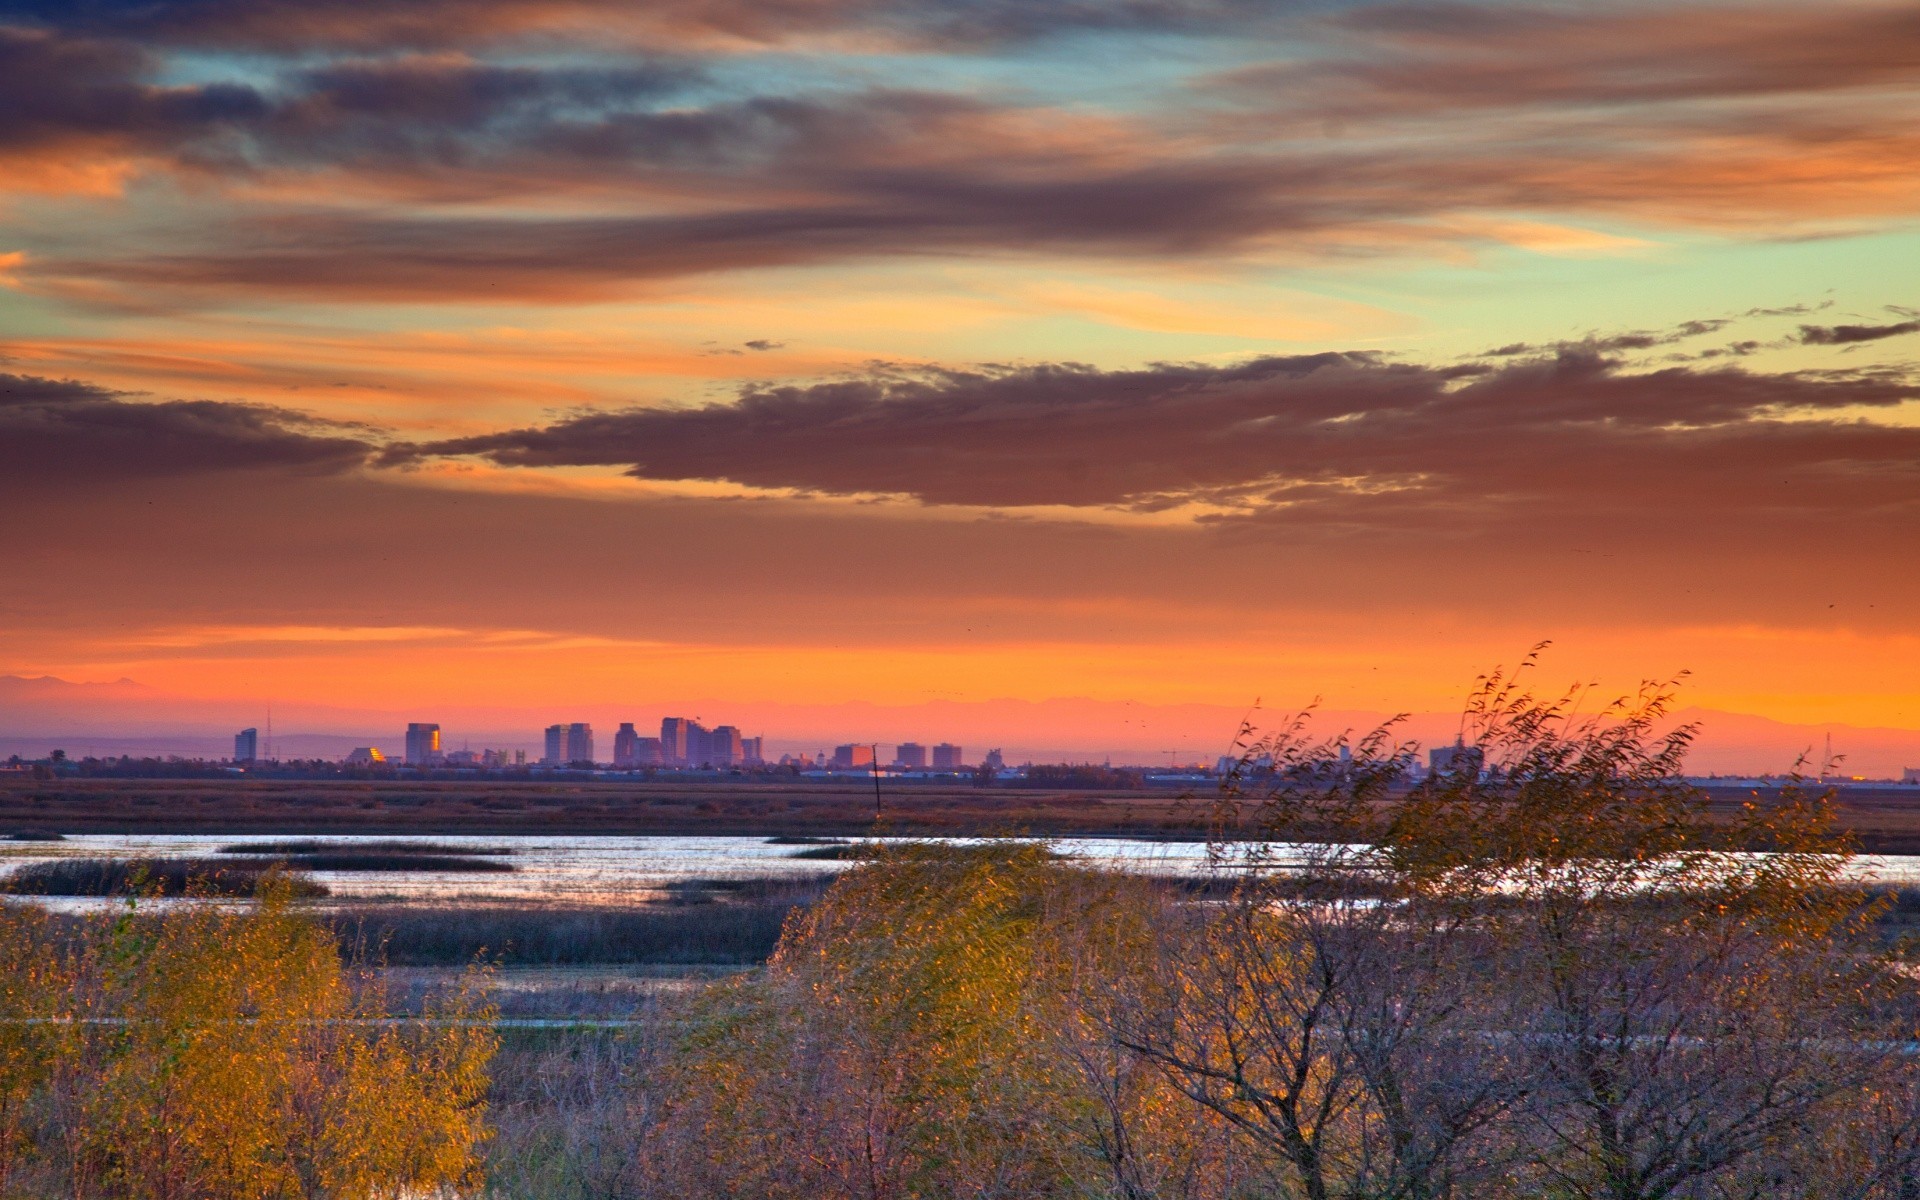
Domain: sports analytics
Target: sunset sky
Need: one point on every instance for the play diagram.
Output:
(445, 355)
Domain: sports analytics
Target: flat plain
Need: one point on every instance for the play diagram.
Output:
(1884, 820)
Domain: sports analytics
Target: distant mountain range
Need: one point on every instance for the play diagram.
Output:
(126, 717)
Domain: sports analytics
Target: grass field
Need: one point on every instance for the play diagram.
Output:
(746, 807)
(1885, 820)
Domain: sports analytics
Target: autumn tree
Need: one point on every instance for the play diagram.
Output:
(1547, 970)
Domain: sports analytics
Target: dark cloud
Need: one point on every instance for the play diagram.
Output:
(1667, 116)
(1614, 343)
(1434, 59)
(74, 434)
(1848, 335)
(437, 24)
(1307, 440)
(56, 90)
(420, 113)
(1141, 212)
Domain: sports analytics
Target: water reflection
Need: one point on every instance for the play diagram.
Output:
(623, 870)
(570, 869)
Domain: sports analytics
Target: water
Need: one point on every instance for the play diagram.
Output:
(570, 869)
(584, 869)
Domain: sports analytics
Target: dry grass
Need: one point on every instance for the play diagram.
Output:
(149, 877)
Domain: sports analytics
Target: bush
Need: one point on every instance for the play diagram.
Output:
(222, 1052)
(727, 933)
(1551, 975)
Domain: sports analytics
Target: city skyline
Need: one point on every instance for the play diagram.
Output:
(1163, 352)
(36, 716)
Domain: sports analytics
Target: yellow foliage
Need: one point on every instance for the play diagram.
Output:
(218, 1051)
(932, 1028)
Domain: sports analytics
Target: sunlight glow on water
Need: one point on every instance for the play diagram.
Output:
(575, 869)
(585, 869)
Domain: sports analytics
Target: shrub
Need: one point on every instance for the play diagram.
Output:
(225, 1055)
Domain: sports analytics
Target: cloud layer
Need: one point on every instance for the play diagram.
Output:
(401, 152)
(1329, 442)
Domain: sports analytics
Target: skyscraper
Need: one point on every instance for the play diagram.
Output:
(555, 754)
(579, 742)
(1457, 759)
(846, 758)
(246, 745)
(725, 747)
(423, 744)
(674, 748)
(753, 751)
(911, 755)
(646, 752)
(623, 745)
(946, 757)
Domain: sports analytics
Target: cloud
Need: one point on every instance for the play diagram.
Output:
(1438, 58)
(487, 258)
(1849, 335)
(1755, 119)
(70, 434)
(67, 92)
(282, 25)
(1323, 441)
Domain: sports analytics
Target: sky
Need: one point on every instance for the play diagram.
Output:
(413, 356)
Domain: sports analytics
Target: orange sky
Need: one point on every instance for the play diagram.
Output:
(903, 351)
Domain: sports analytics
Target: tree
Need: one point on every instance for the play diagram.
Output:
(1551, 972)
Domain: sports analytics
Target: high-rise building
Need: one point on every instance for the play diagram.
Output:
(946, 757)
(555, 753)
(910, 755)
(993, 761)
(1457, 759)
(725, 747)
(674, 737)
(423, 744)
(646, 752)
(580, 742)
(753, 751)
(246, 745)
(623, 742)
(847, 758)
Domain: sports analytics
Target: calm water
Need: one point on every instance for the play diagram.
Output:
(567, 869)
(601, 870)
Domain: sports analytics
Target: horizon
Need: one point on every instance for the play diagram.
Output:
(1729, 744)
